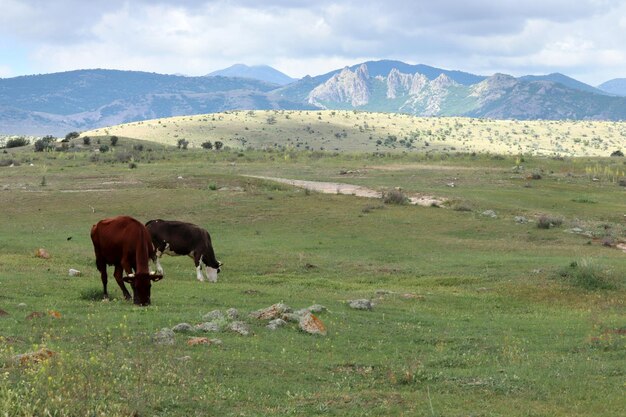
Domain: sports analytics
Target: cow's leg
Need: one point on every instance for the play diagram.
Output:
(118, 277)
(211, 273)
(196, 260)
(102, 267)
(157, 262)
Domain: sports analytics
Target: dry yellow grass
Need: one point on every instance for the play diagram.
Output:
(363, 131)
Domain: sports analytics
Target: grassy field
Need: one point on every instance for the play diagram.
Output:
(473, 315)
(367, 132)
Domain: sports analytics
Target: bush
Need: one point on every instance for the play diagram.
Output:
(586, 274)
(395, 196)
(546, 222)
(218, 145)
(16, 142)
(617, 153)
(104, 148)
(87, 141)
(71, 135)
(45, 143)
(182, 144)
(114, 140)
(207, 145)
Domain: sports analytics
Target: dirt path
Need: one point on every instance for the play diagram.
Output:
(351, 189)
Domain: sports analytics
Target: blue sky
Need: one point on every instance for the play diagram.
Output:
(583, 38)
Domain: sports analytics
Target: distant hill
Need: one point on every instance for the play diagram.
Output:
(256, 72)
(565, 80)
(499, 96)
(85, 99)
(616, 86)
(88, 99)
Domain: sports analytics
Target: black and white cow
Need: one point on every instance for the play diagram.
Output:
(180, 238)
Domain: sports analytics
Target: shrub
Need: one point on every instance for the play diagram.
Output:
(394, 196)
(587, 275)
(218, 145)
(207, 145)
(138, 147)
(617, 153)
(182, 144)
(71, 135)
(114, 140)
(86, 140)
(17, 142)
(104, 148)
(546, 222)
(45, 143)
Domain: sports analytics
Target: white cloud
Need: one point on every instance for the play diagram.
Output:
(310, 37)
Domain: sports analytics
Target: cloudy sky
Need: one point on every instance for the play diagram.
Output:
(584, 39)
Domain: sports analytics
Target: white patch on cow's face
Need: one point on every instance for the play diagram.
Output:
(211, 274)
(199, 272)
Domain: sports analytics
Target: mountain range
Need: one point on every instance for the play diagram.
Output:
(86, 99)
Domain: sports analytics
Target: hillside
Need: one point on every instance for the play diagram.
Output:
(256, 72)
(616, 86)
(369, 132)
(90, 99)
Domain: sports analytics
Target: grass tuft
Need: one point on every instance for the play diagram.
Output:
(588, 275)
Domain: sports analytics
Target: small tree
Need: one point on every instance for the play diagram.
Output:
(104, 148)
(114, 140)
(44, 144)
(71, 135)
(86, 141)
(207, 145)
(218, 145)
(182, 144)
(16, 142)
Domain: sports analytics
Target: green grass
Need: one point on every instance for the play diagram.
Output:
(479, 320)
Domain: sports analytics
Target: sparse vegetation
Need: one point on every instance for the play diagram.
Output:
(17, 142)
(589, 275)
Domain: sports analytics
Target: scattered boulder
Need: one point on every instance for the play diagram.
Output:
(309, 323)
(272, 312)
(239, 327)
(211, 326)
(42, 253)
(276, 323)
(213, 315)
(203, 341)
(33, 357)
(490, 213)
(316, 308)
(21, 305)
(232, 313)
(183, 327)
(74, 272)
(361, 304)
(521, 220)
(291, 317)
(164, 336)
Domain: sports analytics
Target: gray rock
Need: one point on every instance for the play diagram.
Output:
(210, 326)
(312, 325)
(239, 327)
(315, 308)
(521, 219)
(183, 327)
(232, 313)
(164, 336)
(361, 304)
(292, 317)
(213, 315)
(490, 213)
(272, 312)
(276, 323)
(74, 272)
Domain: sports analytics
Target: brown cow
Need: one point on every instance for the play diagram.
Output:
(125, 243)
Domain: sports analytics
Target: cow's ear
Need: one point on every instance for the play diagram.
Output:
(156, 277)
(128, 279)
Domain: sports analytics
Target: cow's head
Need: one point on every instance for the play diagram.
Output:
(213, 270)
(141, 284)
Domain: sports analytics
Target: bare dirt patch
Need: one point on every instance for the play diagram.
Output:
(351, 189)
